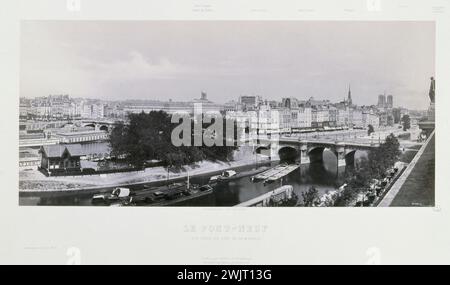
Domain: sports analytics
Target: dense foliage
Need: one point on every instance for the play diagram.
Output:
(147, 137)
(384, 157)
(374, 167)
(370, 130)
(311, 197)
(406, 121)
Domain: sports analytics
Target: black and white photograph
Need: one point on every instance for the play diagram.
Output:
(155, 113)
(225, 141)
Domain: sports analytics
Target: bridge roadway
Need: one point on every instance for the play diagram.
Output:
(357, 142)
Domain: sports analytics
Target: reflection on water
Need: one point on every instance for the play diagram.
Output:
(323, 175)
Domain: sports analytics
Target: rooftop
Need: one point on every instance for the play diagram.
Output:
(58, 150)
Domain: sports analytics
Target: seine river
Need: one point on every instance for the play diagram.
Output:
(323, 175)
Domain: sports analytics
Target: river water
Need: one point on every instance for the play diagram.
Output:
(323, 175)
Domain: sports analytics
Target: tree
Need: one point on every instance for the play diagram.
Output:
(118, 139)
(390, 120)
(360, 176)
(357, 180)
(379, 161)
(145, 137)
(406, 121)
(346, 197)
(292, 202)
(384, 157)
(391, 150)
(370, 130)
(310, 197)
(148, 136)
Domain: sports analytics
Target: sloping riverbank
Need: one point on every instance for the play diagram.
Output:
(36, 182)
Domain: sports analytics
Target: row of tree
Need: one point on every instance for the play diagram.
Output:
(374, 167)
(367, 169)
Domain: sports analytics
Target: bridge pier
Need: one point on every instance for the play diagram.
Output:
(341, 162)
(273, 152)
(340, 153)
(303, 152)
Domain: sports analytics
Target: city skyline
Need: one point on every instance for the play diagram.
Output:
(234, 102)
(162, 60)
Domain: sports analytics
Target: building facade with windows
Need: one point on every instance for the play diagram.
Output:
(370, 118)
(81, 136)
(304, 117)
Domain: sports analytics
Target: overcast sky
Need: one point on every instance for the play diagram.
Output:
(178, 59)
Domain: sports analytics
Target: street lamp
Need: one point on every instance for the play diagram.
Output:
(168, 174)
(188, 178)
(255, 149)
(256, 159)
(337, 167)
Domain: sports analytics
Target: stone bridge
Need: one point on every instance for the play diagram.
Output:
(102, 125)
(306, 151)
(98, 124)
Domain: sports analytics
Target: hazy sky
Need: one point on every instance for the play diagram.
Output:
(177, 59)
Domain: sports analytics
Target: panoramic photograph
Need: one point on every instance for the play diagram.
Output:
(227, 113)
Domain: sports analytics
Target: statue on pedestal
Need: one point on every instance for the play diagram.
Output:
(432, 88)
(431, 109)
(427, 126)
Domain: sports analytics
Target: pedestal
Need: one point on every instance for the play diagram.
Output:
(431, 112)
(341, 162)
(304, 157)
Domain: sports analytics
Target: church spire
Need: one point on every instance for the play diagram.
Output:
(349, 98)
